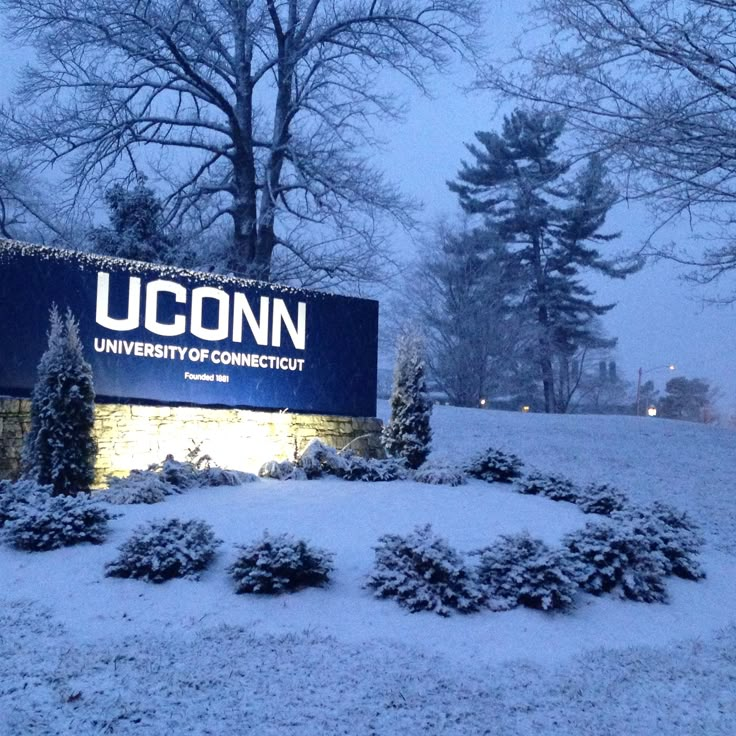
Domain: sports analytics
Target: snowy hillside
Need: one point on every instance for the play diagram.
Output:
(84, 654)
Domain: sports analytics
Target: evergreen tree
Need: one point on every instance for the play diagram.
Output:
(687, 398)
(551, 222)
(59, 449)
(466, 296)
(137, 229)
(408, 433)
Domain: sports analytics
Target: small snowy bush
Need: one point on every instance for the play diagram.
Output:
(673, 533)
(214, 476)
(601, 499)
(284, 470)
(408, 434)
(15, 496)
(440, 474)
(197, 471)
(423, 573)
(554, 487)
(371, 470)
(141, 486)
(279, 564)
(495, 466)
(519, 570)
(58, 521)
(319, 459)
(615, 556)
(165, 549)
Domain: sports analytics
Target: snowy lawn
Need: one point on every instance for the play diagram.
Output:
(85, 654)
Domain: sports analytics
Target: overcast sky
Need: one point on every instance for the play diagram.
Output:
(657, 319)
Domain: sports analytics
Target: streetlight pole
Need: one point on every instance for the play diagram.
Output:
(669, 367)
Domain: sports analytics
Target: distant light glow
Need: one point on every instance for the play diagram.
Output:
(652, 411)
(482, 402)
(526, 409)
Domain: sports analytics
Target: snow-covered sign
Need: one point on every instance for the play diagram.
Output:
(168, 335)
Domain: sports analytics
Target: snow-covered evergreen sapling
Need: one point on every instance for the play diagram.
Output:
(495, 466)
(164, 549)
(59, 450)
(279, 563)
(423, 573)
(16, 496)
(440, 474)
(51, 522)
(615, 556)
(519, 570)
(408, 433)
(550, 485)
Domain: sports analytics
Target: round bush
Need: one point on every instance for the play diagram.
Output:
(554, 487)
(440, 474)
(56, 521)
(519, 570)
(141, 486)
(615, 556)
(278, 564)
(602, 499)
(495, 466)
(423, 573)
(14, 496)
(165, 549)
(672, 532)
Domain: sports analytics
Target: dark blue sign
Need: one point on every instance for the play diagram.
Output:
(166, 335)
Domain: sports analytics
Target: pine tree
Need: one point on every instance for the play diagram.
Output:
(59, 449)
(408, 433)
(137, 229)
(551, 222)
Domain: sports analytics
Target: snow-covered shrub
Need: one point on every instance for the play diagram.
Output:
(278, 564)
(14, 496)
(59, 449)
(165, 549)
(197, 471)
(495, 466)
(423, 573)
(215, 476)
(616, 556)
(58, 521)
(549, 485)
(140, 486)
(440, 474)
(408, 434)
(318, 459)
(519, 570)
(371, 470)
(601, 499)
(284, 470)
(673, 533)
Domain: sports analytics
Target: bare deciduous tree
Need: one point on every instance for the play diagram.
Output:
(259, 111)
(652, 83)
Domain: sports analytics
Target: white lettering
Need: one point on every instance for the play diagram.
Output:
(102, 315)
(153, 289)
(297, 333)
(223, 313)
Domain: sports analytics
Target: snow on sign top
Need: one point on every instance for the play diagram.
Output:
(169, 335)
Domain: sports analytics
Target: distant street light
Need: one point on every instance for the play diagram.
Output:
(669, 367)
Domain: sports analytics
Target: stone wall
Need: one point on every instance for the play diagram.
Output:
(134, 436)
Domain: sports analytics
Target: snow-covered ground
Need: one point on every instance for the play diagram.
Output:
(85, 654)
